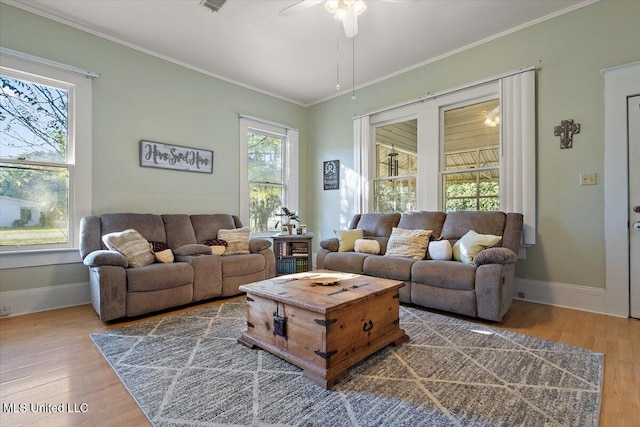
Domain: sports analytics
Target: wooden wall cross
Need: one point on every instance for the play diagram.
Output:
(565, 131)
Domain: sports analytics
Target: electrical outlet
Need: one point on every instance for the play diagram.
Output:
(588, 178)
(5, 310)
(521, 295)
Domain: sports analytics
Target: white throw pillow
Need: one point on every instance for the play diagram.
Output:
(471, 244)
(440, 250)
(367, 246)
(408, 243)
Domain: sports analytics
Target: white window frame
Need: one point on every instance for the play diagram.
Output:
(516, 91)
(290, 164)
(79, 159)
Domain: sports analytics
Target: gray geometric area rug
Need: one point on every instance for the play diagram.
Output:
(188, 370)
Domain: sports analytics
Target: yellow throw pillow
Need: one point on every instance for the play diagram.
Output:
(408, 243)
(471, 244)
(347, 239)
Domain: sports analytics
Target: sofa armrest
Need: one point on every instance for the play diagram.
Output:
(495, 256)
(257, 245)
(192, 249)
(102, 257)
(332, 244)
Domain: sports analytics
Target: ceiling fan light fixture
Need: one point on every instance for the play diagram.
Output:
(340, 8)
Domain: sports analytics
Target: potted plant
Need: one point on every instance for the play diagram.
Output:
(286, 219)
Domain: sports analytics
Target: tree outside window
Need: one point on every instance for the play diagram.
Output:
(34, 169)
(266, 183)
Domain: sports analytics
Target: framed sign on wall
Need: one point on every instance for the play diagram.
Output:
(169, 156)
(331, 175)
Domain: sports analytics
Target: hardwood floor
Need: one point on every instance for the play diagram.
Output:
(48, 359)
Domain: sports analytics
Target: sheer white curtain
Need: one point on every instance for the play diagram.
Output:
(362, 163)
(518, 162)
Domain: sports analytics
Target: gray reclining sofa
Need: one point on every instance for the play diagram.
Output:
(482, 289)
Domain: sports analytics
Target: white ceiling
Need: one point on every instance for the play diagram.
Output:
(294, 57)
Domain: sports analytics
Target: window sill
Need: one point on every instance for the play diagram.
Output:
(21, 259)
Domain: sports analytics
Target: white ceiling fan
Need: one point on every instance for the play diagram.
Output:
(346, 11)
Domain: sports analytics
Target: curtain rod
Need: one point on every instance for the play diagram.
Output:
(266, 122)
(43, 61)
(448, 91)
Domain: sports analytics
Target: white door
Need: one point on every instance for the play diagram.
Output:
(634, 204)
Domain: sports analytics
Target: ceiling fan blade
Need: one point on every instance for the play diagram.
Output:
(298, 6)
(350, 25)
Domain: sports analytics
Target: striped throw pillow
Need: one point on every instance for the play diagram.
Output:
(132, 245)
(237, 240)
(408, 243)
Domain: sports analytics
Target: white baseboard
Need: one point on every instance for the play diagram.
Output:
(551, 293)
(46, 298)
(562, 295)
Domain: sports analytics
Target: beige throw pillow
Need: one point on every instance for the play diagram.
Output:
(132, 245)
(408, 243)
(237, 240)
(471, 244)
(367, 246)
(347, 239)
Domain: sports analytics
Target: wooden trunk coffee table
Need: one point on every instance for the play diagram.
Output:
(320, 326)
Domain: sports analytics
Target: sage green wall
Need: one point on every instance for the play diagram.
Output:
(138, 97)
(573, 49)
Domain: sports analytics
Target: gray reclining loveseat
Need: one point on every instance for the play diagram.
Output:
(119, 290)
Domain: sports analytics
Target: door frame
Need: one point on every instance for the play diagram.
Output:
(619, 83)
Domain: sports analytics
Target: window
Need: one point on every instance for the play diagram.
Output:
(394, 187)
(267, 155)
(470, 168)
(45, 161)
(474, 150)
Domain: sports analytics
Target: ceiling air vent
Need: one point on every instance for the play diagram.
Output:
(214, 5)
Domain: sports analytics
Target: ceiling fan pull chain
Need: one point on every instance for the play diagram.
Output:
(338, 56)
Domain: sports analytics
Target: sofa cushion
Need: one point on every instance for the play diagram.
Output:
(347, 262)
(423, 220)
(206, 227)
(237, 240)
(471, 244)
(444, 274)
(389, 267)
(179, 230)
(408, 243)
(242, 265)
(347, 239)
(159, 276)
(440, 250)
(457, 224)
(378, 224)
(149, 226)
(367, 246)
(132, 245)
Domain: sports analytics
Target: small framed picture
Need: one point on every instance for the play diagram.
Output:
(331, 174)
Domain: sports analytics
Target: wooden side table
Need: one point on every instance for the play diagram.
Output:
(293, 253)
